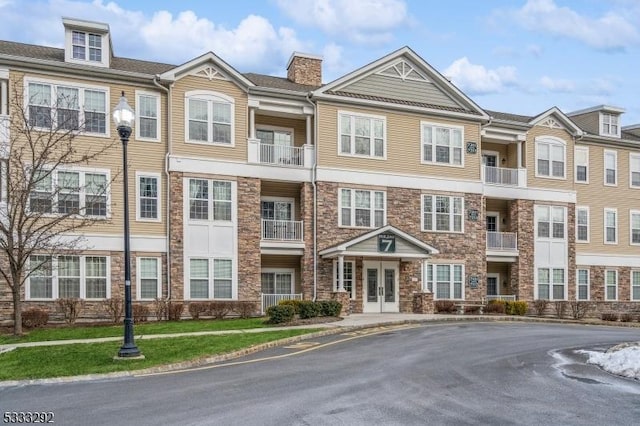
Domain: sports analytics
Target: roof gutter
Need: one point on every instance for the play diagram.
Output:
(314, 177)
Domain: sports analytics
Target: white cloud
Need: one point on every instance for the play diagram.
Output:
(610, 31)
(557, 85)
(361, 21)
(477, 80)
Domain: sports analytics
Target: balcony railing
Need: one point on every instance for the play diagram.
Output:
(504, 176)
(282, 230)
(4, 136)
(273, 299)
(278, 154)
(507, 241)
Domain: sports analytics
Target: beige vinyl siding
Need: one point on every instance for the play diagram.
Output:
(598, 197)
(299, 126)
(403, 144)
(501, 149)
(285, 262)
(142, 156)
(238, 152)
(589, 121)
(549, 183)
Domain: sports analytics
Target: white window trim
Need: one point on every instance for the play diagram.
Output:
(208, 95)
(487, 214)
(433, 156)
(586, 208)
(551, 141)
(210, 219)
(495, 275)
(72, 84)
(606, 210)
(564, 221)
(353, 208)
(604, 161)
(631, 286)
(68, 48)
(588, 285)
(211, 277)
(433, 214)
(575, 166)
(601, 120)
(631, 213)
(139, 277)
(55, 290)
(158, 176)
(616, 285)
(269, 128)
(633, 155)
(353, 280)
(353, 146)
(289, 271)
(551, 268)
(450, 264)
(291, 201)
(155, 95)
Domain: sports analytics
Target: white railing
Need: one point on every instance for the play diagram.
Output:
(501, 175)
(274, 299)
(4, 136)
(502, 241)
(282, 230)
(500, 297)
(278, 154)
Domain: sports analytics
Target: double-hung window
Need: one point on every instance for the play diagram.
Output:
(582, 282)
(442, 144)
(446, 281)
(362, 135)
(362, 208)
(148, 278)
(551, 283)
(86, 46)
(610, 168)
(551, 222)
(550, 158)
(348, 277)
(147, 116)
(67, 276)
(442, 213)
(609, 125)
(581, 158)
(210, 278)
(611, 284)
(634, 225)
(610, 226)
(209, 118)
(634, 170)
(67, 108)
(635, 285)
(210, 200)
(148, 196)
(582, 224)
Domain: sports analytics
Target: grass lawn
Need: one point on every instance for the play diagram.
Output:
(92, 358)
(159, 327)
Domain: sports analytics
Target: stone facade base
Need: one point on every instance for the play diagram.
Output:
(423, 303)
(344, 298)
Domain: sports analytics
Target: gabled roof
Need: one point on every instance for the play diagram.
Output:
(505, 116)
(281, 83)
(556, 113)
(343, 248)
(459, 102)
(202, 60)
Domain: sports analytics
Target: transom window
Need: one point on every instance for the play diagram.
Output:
(610, 226)
(550, 158)
(610, 124)
(611, 284)
(147, 116)
(86, 46)
(610, 168)
(447, 279)
(210, 200)
(442, 144)
(550, 222)
(442, 213)
(362, 209)
(582, 164)
(551, 283)
(53, 277)
(209, 118)
(148, 275)
(148, 197)
(582, 279)
(210, 278)
(67, 108)
(348, 277)
(634, 170)
(634, 221)
(582, 224)
(362, 135)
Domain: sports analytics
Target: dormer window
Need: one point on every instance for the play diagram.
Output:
(609, 124)
(84, 43)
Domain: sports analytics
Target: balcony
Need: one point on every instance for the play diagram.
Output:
(282, 230)
(504, 176)
(4, 136)
(280, 155)
(502, 246)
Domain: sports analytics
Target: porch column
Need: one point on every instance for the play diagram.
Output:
(519, 154)
(252, 123)
(340, 273)
(4, 106)
(308, 130)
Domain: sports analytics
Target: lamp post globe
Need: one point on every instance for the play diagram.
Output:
(124, 117)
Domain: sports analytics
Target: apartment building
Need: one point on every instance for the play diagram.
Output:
(386, 189)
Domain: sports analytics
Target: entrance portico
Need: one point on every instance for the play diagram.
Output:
(376, 256)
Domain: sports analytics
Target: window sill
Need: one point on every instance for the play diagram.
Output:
(444, 232)
(366, 157)
(206, 143)
(435, 163)
(550, 177)
(148, 220)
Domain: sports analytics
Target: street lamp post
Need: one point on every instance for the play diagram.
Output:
(124, 117)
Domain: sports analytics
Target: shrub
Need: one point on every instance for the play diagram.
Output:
(445, 306)
(330, 308)
(220, 308)
(495, 307)
(518, 307)
(279, 314)
(295, 303)
(35, 317)
(70, 309)
(160, 308)
(308, 309)
(609, 316)
(472, 309)
(140, 313)
(197, 308)
(626, 317)
(579, 308)
(540, 306)
(174, 311)
(245, 308)
(560, 308)
(115, 308)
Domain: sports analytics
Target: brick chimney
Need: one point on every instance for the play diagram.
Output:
(304, 68)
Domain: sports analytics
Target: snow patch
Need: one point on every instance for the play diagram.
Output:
(623, 360)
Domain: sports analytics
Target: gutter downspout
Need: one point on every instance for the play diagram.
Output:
(166, 172)
(314, 177)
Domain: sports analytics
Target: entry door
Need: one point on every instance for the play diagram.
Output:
(492, 285)
(490, 160)
(381, 287)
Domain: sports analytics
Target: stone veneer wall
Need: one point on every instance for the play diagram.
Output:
(304, 70)
(249, 228)
(176, 235)
(306, 260)
(521, 213)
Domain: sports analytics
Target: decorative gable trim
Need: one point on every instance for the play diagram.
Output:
(551, 123)
(404, 71)
(556, 119)
(209, 66)
(209, 72)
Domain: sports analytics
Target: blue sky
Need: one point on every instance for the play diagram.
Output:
(519, 56)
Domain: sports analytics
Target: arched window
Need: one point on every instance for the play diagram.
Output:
(209, 118)
(551, 157)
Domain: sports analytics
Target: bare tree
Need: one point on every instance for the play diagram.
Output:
(47, 204)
